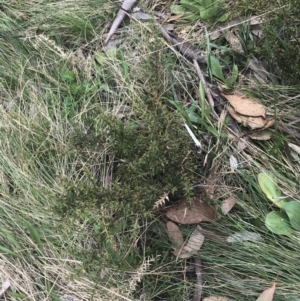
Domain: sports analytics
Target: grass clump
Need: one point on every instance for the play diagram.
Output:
(89, 143)
(281, 41)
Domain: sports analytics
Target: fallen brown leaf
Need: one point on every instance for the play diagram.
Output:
(261, 135)
(175, 235)
(227, 205)
(194, 213)
(245, 106)
(192, 247)
(234, 42)
(254, 123)
(269, 123)
(176, 17)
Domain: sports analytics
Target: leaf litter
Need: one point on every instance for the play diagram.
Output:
(192, 246)
(175, 235)
(248, 112)
(268, 294)
(227, 205)
(193, 213)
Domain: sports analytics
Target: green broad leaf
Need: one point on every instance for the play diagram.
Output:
(270, 189)
(188, 18)
(229, 82)
(177, 9)
(194, 117)
(278, 223)
(292, 209)
(215, 67)
(194, 6)
(211, 11)
(223, 17)
(193, 107)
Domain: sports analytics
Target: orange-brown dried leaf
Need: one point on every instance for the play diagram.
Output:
(269, 123)
(192, 247)
(235, 115)
(175, 235)
(194, 213)
(256, 122)
(245, 106)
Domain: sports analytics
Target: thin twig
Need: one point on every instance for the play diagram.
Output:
(126, 6)
(198, 284)
(184, 47)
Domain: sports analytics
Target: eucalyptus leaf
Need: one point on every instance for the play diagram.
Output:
(215, 67)
(188, 17)
(194, 6)
(223, 17)
(177, 9)
(278, 223)
(211, 10)
(270, 189)
(292, 209)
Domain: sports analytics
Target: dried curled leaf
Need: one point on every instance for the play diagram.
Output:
(261, 135)
(192, 247)
(253, 122)
(175, 235)
(245, 106)
(194, 213)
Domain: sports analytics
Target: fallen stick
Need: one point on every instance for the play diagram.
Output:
(126, 6)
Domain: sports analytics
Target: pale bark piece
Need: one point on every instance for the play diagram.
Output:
(215, 298)
(245, 106)
(175, 235)
(227, 205)
(294, 147)
(194, 213)
(239, 237)
(233, 163)
(5, 286)
(192, 247)
(261, 135)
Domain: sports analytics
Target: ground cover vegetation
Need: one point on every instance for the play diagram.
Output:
(94, 151)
